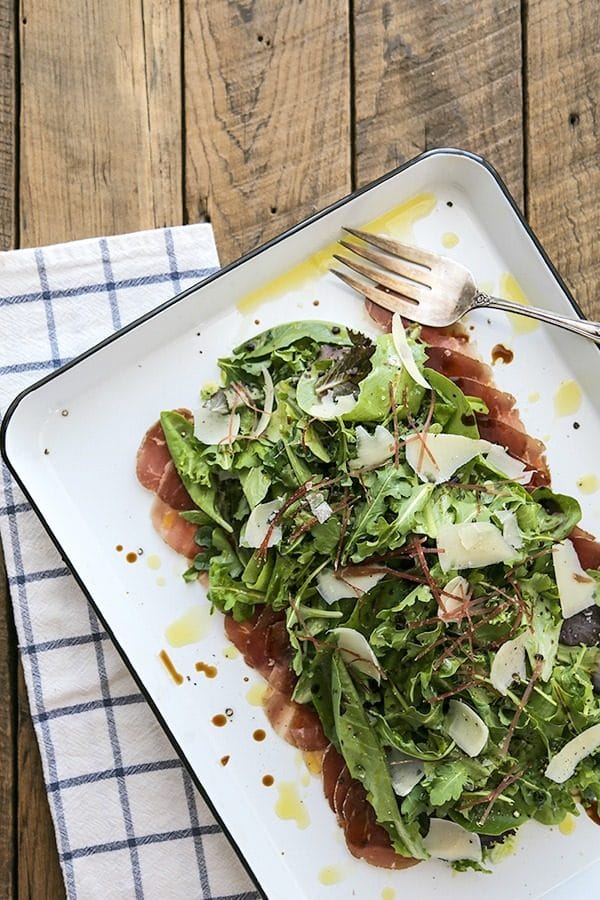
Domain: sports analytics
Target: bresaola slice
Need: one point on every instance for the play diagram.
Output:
(296, 723)
(153, 456)
(175, 531)
(454, 364)
(171, 489)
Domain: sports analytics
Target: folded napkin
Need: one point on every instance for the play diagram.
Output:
(129, 821)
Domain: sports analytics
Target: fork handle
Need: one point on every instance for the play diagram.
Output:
(582, 327)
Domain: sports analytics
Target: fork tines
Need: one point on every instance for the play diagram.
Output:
(394, 282)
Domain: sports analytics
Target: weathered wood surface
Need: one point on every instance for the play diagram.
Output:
(8, 650)
(438, 74)
(100, 123)
(255, 113)
(563, 139)
(267, 112)
(8, 157)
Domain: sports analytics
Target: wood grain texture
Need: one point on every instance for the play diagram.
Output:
(39, 873)
(563, 91)
(432, 74)
(267, 113)
(8, 649)
(101, 118)
(7, 125)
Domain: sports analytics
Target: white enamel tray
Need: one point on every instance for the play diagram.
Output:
(86, 493)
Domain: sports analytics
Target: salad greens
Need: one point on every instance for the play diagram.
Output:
(317, 388)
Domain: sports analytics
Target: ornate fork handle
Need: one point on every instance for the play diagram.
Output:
(582, 327)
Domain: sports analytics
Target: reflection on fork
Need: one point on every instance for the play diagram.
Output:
(427, 287)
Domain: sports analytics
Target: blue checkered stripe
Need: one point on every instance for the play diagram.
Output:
(129, 821)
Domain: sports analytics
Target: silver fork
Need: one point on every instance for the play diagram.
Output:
(429, 288)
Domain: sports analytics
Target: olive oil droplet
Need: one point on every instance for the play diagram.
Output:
(510, 289)
(567, 826)
(588, 484)
(567, 399)
(191, 627)
(331, 875)
(449, 240)
(256, 694)
(290, 806)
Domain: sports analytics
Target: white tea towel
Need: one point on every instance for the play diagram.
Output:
(129, 822)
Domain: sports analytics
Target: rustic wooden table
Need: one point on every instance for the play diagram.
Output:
(117, 115)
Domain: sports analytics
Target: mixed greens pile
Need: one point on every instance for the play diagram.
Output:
(307, 502)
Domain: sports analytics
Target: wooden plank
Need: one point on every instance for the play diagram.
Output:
(8, 656)
(267, 114)
(39, 872)
(563, 139)
(101, 118)
(437, 74)
(7, 125)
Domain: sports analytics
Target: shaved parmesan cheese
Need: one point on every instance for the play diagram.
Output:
(334, 586)
(258, 523)
(472, 545)
(449, 841)
(563, 765)
(404, 352)
(436, 457)
(510, 528)
(319, 507)
(508, 664)
(265, 416)
(372, 449)
(454, 606)
(405, 772)
(466, 728)
(356, 651)
(212, 427)
(507, 465)
(332, 407)
(576, 589)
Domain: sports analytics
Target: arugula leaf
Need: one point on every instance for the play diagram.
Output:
(255, 484)
(193, 471)
(366, 760)
(281, 336)
(447, 781)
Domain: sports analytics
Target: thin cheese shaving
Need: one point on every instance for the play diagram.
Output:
(404, 352)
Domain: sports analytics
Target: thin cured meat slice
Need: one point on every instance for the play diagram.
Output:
(171, 490)
(341, 788)
(355, 814)
(239, 632)
(519, 444)
(586, 547)
(175, 531)
(264, 644)
(152, 458)
(365, 838)
(333, 763)
(454, 365)
(296, 723)
(380, 315)
(453, 337)
(500, 404)
(153, 455)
